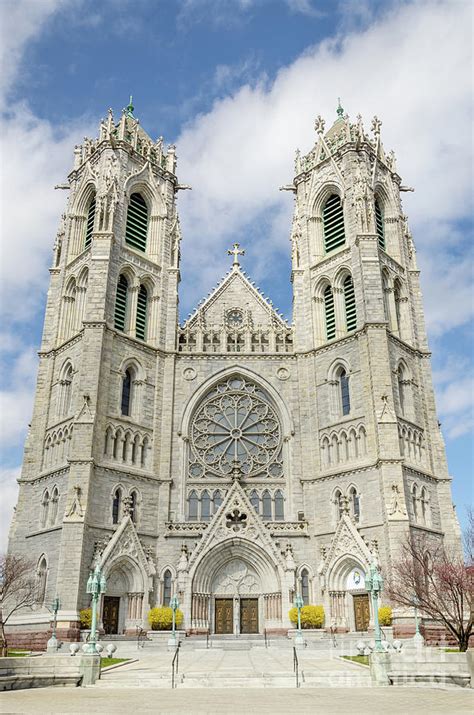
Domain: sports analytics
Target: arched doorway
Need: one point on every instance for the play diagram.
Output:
(349, 603)
(123, 602)
(236, 589)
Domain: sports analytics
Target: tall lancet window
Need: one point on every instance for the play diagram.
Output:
(142, 306)
(350, 304)
(126, 404)
(379, 224)
(90, 222)
(137, 223)
(120, 317)
(333, 223)
(329, 313)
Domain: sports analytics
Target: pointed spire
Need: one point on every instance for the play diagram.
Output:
(130, 108)
(339, 110)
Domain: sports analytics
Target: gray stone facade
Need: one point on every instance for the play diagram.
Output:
(241, 466)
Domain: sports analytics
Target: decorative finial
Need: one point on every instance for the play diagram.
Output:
(319, 124)
(339, 110)
(130, 107)
(236, 252)
(376, 124)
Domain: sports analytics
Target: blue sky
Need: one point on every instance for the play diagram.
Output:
(236, 84)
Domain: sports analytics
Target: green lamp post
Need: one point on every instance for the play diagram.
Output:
(52, 645)
(96, 586)
(417, 638)
(174, 603)
(299, 603)
(374, 585)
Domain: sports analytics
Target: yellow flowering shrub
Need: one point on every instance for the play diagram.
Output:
(385, 616)
(85, 617)
(161, 618)
(311, 616)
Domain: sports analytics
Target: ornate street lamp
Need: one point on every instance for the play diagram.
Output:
(417, 638)
(299, 603)
(374, 585)
(96, 586)
(52, 645)
(174, 603)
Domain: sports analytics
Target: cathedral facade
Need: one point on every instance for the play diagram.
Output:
(235, 460)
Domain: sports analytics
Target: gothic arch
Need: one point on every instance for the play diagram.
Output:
(335, 368)
(135, 365)
(237, 371)
(136, 184)
(340, 276)
(323, 193)
(127, 270)
(83, 197)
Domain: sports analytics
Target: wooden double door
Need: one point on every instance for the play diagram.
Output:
(224, 615)
(110, 614)
(361, 611)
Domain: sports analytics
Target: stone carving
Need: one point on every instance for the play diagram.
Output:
(397, 507)
(76, 509)
(236, 520)
(183, 559)
(319, 124)
(289, 558)
(386, 414)
(235, 579)
(363, 202)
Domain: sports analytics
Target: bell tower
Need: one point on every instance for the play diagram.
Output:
(111, 318)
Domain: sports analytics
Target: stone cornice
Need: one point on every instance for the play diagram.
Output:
(46, 530)
(418, 352)
(324, 476)
(44, 476)
(128, 471)
(421, 474)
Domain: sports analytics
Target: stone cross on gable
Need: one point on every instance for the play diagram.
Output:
(236, 252)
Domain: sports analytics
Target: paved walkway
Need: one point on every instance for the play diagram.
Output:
(320, 701)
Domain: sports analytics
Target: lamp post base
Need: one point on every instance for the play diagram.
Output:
(299, 640)
(52, 645)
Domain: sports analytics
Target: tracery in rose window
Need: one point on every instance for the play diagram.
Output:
(236, 426)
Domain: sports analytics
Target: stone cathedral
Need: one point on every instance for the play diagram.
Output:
(237, 459)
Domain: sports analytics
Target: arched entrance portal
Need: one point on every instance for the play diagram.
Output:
(349, 603)
(236, 589)
(123, 603)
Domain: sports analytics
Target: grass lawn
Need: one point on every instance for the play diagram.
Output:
(105, 662)
(451, 650)
(361, 659)
(14, 653)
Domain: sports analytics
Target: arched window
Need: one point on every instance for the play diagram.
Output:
(41, 579)
(350, 304)
(133, 507)
(305, 586)
(279, 506)
(65, 393)
(167, 587)
(379, 224)
(329, 314)
(266, 505)
(45, 509)
(126, 402)
(338, 504)
(142, 306)
(53, 515)
(355, 503)
(217, 499)
(344, 392)
(333, 223)
(193, 504)
(120, 317)
(205, 506)
(386, 291)
(90, 222)
(396, 297)
(254, 500)
(116, 505)
(424, 505)
(137, 223)
(401, 378)
(414, 501)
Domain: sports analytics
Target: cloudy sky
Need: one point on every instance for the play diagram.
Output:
(236, 84)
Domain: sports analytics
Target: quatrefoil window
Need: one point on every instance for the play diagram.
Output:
(236, 427)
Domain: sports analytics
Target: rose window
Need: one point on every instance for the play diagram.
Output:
(236, 427)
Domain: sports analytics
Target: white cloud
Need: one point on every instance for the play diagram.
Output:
(411, 67)
(455, 395)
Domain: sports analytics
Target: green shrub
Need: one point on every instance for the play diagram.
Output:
(161, 618)
(85, 617)
(311, 616)
(385, 616)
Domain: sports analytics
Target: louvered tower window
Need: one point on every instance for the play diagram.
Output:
(333, 223)
(379, 224)
(329, 313)
(121, 303)
(350, 304)
(90, 223)
(137, 223)
(142, 302)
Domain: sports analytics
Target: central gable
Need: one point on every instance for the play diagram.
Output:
(237, 292)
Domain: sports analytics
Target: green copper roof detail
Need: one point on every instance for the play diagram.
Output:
(339, 110)
(130, 107)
